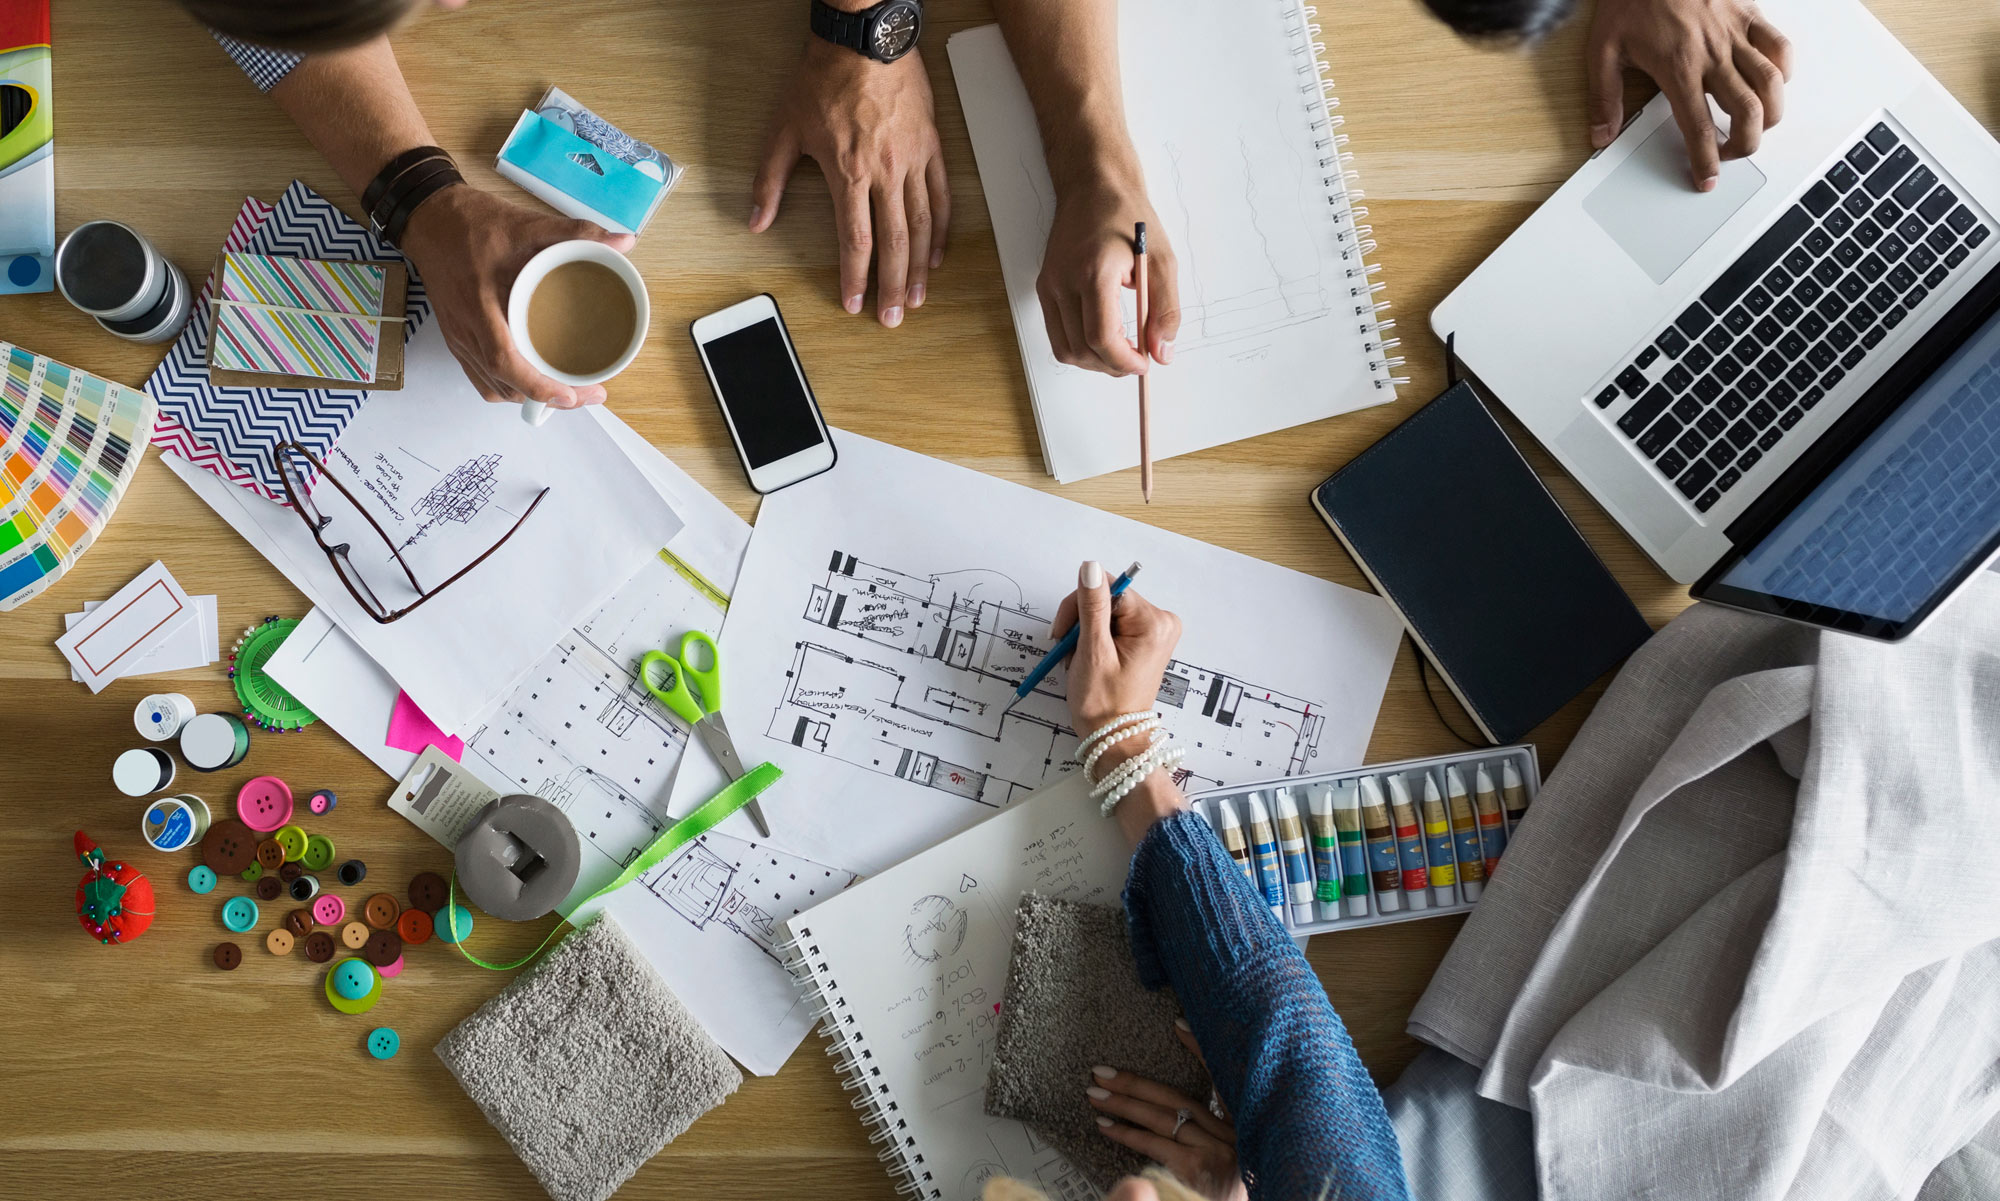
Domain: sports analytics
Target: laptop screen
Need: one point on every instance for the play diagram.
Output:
(1911, 510)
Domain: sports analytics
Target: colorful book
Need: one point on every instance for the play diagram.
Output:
(27, 150)
(299, 317)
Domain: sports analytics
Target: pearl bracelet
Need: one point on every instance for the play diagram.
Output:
(1158, 757)
(1111, 727)
(1132, 731)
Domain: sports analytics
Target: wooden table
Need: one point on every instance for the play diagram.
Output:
(145, 1073)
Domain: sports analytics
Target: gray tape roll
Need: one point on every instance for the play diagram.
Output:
(519, 858)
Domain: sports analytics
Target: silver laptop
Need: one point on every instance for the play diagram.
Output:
(1787, 390)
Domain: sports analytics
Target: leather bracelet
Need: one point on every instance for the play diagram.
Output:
(392, 229)
(393, 169)
(408, 182)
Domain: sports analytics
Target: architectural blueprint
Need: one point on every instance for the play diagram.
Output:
(888, 608)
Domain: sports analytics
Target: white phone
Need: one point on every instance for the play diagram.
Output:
(766, 402)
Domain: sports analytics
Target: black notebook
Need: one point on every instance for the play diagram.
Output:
(1499, 590)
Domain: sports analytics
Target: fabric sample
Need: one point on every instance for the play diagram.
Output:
(587, 1064)
(266, 68)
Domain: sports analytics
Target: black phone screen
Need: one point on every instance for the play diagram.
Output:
(766, 399)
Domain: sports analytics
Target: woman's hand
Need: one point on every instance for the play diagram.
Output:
(1147, 1117)
(1089, 261)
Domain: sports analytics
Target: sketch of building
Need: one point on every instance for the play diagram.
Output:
(460, 496)
(720, 882)
(910, 676)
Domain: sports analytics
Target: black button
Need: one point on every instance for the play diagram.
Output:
(1961, 219)
(1936, 205)
(1916, 187)
(1893, 168)
(1846, 254)
(1798, 260)
(1672, 463)
(1641, 415)
(1727, 369)
(1920, 259)
(1769, 438)
(1791, 418)
(1721, 455)
(1761, 415)
(1790, 308)
(1819, 198)
(1853, 287)
(1958, 255)
(1885, 213)
(1979, 234)
(1882, 138)
(1841, 336)
(1822, 355)
(1867, 233)
(1742, 434)
(1727, 479)
(1647, 357)
(1677, 379)
(1777, 280)
(1782, 393)
(1809, 290)
(1772, 365)
(1812, 325)
(1707, 500)
(1940, 239)
(1748, 459)
(1694, 480)
(1671, 342)
(1884, 294)
(1711, 423)
(1718, 338)
(1894, 317)
(1913, 226)
(1857, 203)
(1698, 359)
(1842, 177)
(1767, 330)
(1830, 306)
(1853, 356)
(1891, 248)
(1832, 378)
(1872, 267)
(1732, 403)
(1936, 276)
(1863, 156)
(1631, 381)
(1861, 316)
(1817, 242)
(1659, 435)
(1802, 374)
(1757, 300)
(1792, 345)
(1838, 222)
(1916, 295)
(1811, 397)
(1872, 337)
(1707, 388)
(1752, 384)
(1688, 444)
(1737, 320)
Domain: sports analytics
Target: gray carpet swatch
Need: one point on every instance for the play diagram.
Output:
(1074, 1000)
(588, 1064)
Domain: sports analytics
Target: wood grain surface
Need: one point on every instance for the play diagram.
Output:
(144, 1072)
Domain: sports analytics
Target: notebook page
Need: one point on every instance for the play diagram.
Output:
(919, 955)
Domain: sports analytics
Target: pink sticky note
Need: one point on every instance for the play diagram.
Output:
(410, 730)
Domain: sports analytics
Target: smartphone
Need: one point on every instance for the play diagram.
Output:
(765, 399)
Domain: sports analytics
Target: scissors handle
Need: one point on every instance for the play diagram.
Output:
(697, 648)
(676, 695)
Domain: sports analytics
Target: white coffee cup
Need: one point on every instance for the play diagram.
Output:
(534, 412)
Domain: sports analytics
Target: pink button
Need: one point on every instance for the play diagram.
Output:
(393, 970)
(329, 909)
(264, 804)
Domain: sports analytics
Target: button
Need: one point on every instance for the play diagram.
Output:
(202, 878)
(264, 803)
(319, 853)
(322, 802)
(291, 871)
(270, 854)
(353, 872)
(382, 948)
(293, 839)
(253, 873)
(328, 909)
(380, 911)
(279, 941)
(353, 986)
(239, 914)
(427, 891)
(452, 925)
(414, 926)
(229, 847)
(269, 888)
(353, 936)
(228, 956)
(393, 970)
(305, 888)
(319, 946)
(383, 1043)
(299, 922)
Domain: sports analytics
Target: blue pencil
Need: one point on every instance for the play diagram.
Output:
(1066, 645)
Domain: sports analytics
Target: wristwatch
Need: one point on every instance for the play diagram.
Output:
(884, 33)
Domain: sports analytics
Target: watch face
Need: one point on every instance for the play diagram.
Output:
(894, 32)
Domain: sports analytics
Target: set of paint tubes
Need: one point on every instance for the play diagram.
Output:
(1389, 843)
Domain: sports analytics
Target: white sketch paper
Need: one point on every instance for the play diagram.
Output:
(888, 608)
(1224, 113)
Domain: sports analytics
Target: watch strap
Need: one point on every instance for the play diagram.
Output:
(407, 200)
(395, 169)
(840, 27)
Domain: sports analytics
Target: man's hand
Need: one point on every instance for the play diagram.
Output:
(870, 127)
(469, 246)
(1089, 260)
(1693, 49)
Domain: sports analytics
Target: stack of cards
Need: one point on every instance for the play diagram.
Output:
(149, 625)
(69, 445)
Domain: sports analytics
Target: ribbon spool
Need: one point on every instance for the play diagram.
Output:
(214, 741)
(161, 716)
(174, 823)
(142, 771)
(518, 858)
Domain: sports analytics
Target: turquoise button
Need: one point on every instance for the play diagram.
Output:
(240, 914)
(383, 1043)
(353, 980)
(202, 878)
(441, 923)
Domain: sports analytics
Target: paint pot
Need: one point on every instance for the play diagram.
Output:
(142, 771)
(214, 741)
(108, 270)
(161, 716)
(174, 823)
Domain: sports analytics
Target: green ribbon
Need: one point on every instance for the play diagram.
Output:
(705, 818)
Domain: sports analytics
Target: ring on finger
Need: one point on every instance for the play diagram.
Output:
(1181, 1117)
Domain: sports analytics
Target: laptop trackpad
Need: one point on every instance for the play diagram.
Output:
(1654, 214)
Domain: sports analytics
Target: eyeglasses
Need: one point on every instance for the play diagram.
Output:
(292, 461)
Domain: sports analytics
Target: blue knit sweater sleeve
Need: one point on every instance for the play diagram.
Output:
(1309, 1122)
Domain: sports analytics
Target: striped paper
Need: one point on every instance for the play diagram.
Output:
(298, 328)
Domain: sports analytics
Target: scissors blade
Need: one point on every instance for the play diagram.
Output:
(715, 736)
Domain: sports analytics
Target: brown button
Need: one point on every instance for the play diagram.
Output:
(229, 847)
(319, 946)
(299, 922)
(270, 854)
(279, 941)
(427, 891)
(414, 926)
(228, 956)
(382, 948)
(381, 911)
(268, 888)
(291, 871)
(354, 935)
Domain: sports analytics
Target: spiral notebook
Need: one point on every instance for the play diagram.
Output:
(1232, 115)
(906, 971)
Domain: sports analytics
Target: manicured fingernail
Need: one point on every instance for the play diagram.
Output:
(1091, 575)
(917, 297)
(1104, 1121)
(1097, 1094)
(1707, 185)
(1166, 354)
(1601, 135)
(937, 259)
(1100, 1071)
(1182, 1024)
(756, 214)
(892, 316)
(853, 303)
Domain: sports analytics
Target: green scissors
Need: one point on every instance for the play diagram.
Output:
(703, 713)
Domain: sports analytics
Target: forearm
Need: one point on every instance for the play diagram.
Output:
(355, 109)
(1308, 1117)
(1067, 54)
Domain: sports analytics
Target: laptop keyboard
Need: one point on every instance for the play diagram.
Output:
(1721, 385)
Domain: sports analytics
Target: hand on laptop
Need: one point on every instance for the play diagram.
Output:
(870, 127)
(1693, 49)
(1088, 262)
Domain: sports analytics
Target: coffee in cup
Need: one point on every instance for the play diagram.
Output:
(578, 313)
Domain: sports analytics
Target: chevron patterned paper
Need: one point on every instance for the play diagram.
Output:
(231, 431)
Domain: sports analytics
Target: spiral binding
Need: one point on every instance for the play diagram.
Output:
(1356, 242)
(847, 1046)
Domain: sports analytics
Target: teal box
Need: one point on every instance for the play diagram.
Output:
(577, 178)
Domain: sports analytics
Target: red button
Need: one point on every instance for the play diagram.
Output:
(414, 926)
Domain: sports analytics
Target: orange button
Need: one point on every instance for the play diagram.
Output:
(354, 935)
(270, 854)
(380, 910)
(414, 926)
(279, 941)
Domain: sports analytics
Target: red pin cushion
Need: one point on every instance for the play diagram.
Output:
(113, 901)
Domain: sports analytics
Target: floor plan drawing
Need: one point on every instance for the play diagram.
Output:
(910, 676)
(724, 884)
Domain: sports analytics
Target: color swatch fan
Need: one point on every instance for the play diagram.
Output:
(69, 445)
